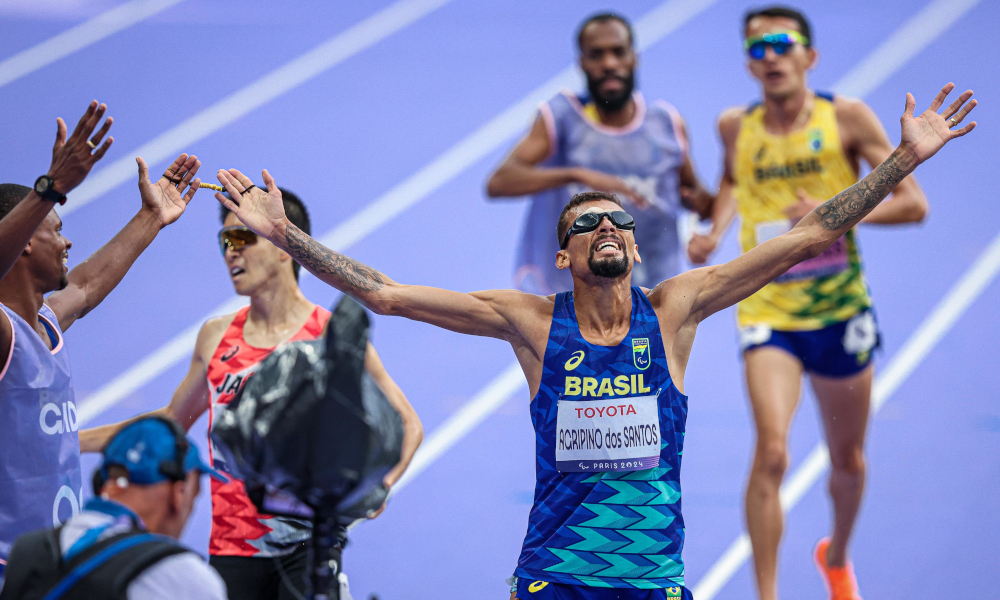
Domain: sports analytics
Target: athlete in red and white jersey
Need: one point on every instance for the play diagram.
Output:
(237, 528)
(250, 550)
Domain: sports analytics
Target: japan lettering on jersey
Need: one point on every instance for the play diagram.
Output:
(237, 528)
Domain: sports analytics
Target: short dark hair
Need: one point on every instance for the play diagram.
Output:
(11, 195)
(604, 17)
(577, 200)
(296, 212)
(783, 12)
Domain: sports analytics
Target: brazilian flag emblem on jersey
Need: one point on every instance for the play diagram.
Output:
(816, 140)
(640, 353)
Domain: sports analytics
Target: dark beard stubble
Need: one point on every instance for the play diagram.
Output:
(613, 103)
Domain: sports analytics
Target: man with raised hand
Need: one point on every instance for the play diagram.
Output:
(782, 153)
(605, 364)
(611, 140)
(259, 556)
(39, 450)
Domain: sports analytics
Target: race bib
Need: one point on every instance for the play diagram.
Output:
(833, 260)
(621, 434)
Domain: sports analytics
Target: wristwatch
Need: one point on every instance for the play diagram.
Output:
(44, 187)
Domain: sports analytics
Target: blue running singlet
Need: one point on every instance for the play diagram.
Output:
(609, 433)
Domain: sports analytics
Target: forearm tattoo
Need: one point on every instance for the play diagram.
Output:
(319, 259)
(851, 205)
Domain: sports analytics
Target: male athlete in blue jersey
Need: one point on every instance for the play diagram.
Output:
(605, 364)
(611, 140)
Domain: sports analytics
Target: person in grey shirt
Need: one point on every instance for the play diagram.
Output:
(123, 544)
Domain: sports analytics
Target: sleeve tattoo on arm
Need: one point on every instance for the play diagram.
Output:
(318, 258)
(854, 203)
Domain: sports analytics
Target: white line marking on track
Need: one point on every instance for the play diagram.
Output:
(905, 43)
(486, 402)
(327, 55)
(650, 29)
(79, 37)
(925, 27)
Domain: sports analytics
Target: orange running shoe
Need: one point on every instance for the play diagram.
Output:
(840, 581)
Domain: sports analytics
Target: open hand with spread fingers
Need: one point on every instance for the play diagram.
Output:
(73, 158)
(924, 135)
(166, 198)
(262, 211)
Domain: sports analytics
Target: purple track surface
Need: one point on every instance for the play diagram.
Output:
(345, 137)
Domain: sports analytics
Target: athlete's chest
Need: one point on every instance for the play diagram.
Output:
(232, 365)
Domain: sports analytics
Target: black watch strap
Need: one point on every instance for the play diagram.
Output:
(45, 187)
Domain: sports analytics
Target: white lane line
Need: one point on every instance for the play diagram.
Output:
(650, 29)
(330, 53)
(79, 37)
(905, 43)
(940, 320)
(483, 404)
(925, 27)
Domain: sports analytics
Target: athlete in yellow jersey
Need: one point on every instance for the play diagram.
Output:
(795, 146)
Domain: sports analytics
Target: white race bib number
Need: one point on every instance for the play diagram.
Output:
(621, 434)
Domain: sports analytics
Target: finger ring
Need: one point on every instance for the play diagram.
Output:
(92, 145)
(953, 121)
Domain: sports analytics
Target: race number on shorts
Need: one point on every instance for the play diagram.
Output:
(622, 434)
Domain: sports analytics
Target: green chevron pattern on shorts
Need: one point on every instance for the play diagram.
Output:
(593, 582)
(653, 518)
(630, 493)
(621, 566)
(572, 563)
(668, 494)
(642, 584)
(607, 517)
(593, 541)
(669, 566)
(641, 543)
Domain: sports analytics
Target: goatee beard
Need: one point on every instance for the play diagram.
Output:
(63, 283)
(611, 103)
(609, 268)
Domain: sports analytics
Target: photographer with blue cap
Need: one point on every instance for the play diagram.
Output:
(123, 545)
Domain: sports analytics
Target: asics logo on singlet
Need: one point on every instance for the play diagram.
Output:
(58, 418)
(575, 360)
(229, 354)
(535, 586)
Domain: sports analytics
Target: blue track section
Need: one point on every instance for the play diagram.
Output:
(345, 137)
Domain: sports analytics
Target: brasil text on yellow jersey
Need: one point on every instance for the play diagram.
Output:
(769, 169)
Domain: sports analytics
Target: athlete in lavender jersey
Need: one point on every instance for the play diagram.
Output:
(609, 140)
(647, 154)
(40, 480)
(40, 483)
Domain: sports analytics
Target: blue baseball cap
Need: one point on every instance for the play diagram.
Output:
(150, 450)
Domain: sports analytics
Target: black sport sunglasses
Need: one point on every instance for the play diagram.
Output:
(588, 222)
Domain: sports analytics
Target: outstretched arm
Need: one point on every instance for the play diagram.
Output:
(492, 313)
(714, 288)
(162, 204)
(72, 160)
